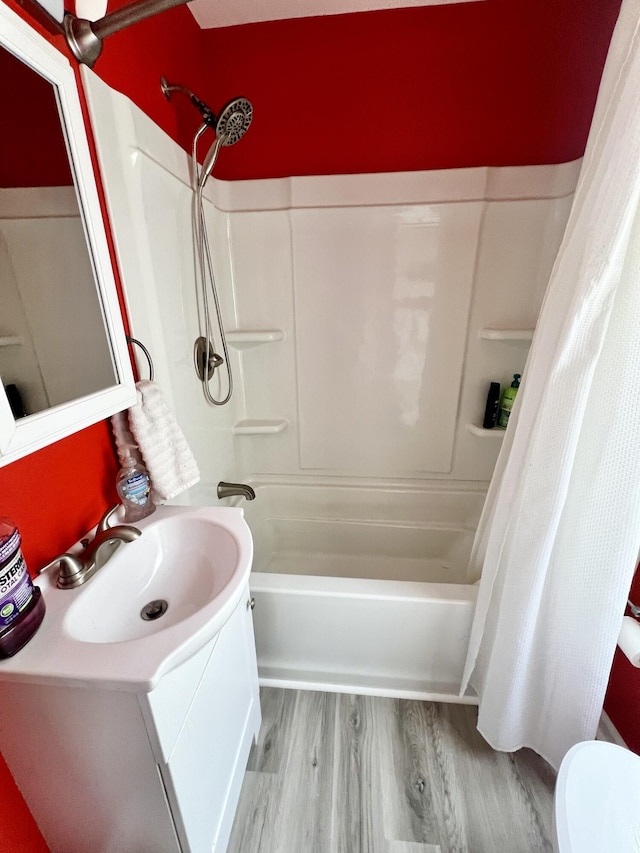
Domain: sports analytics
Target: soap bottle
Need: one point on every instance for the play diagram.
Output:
(507, 400)
(134, 487)
(22, 606)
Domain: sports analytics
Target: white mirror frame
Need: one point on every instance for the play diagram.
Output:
(19, 438)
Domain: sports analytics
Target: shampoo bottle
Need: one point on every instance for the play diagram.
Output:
(134, 487)
(506, 401)
(491, 408)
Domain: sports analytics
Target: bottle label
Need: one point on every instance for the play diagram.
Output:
(136, 489)
(16, 589)
(8, 547)
(505, 411)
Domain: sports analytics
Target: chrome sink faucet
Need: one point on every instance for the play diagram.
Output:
(228, 490)
(75, 569)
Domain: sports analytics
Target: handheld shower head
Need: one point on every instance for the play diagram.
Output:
(210, 160)
(234, 120)
(230, 126)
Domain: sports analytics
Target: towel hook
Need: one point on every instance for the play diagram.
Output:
(131, 340)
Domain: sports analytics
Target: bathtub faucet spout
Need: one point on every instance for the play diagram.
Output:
(227, 490)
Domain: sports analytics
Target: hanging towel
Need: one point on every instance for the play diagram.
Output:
(164, 451)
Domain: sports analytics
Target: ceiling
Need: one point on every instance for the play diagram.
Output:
(212, 13)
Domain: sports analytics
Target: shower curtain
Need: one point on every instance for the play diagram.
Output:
(560, 531)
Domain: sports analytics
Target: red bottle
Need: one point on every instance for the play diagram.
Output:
(21, 603)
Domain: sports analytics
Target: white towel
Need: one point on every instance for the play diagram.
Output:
(163, 448)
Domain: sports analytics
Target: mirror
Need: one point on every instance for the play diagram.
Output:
(63, 355)
(51, 315)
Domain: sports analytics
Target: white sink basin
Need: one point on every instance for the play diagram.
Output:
(185, 562)
(195, 560)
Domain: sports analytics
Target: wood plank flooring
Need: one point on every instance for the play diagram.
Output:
(334, 773)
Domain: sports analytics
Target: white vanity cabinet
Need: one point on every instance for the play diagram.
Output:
(127, 771)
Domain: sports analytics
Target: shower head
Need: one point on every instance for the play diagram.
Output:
(230, 126)
(234, 120)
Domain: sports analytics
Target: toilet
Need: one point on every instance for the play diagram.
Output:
(597, 800)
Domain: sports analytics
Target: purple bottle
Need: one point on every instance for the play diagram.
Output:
(21, 603)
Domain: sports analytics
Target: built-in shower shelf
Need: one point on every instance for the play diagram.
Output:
(11, 340)
(259, 427)
(519, 337)
(481, 432)
(245, 338)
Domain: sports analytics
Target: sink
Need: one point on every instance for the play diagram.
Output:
(183, 561)
(186, 574)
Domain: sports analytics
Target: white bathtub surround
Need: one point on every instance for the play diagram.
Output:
(365, 294)
(354, 305)
(560, 533)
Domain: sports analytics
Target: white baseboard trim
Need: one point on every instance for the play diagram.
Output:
(608, 732)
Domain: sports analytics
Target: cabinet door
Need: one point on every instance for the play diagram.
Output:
(204, 775)
(85, 769)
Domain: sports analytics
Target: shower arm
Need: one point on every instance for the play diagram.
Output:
(85, 37)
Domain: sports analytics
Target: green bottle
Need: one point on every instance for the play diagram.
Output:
(506, 401)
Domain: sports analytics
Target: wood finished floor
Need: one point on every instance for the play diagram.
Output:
(334, 773)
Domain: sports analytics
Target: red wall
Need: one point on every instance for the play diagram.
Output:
(41, 493)
(498, 82)
(19, 831)
(58, 493)
(622, 702)
(33, 153)
(503, 82)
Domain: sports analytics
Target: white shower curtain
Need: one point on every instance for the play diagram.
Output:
(560, 531)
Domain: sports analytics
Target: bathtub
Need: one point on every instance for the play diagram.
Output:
(362, 589)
